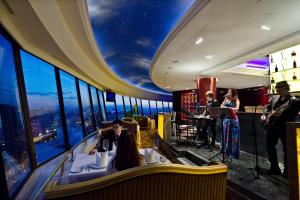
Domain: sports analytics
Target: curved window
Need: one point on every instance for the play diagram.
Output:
(166, 106)
(160, 106)
(13, 142)
(86, 107)
(102, 106)
(127, 104)
(120, 106)
(96, 108)
(153, 107)
(134, 106)
(110, 109)
(146, 109)
(44, 108)
(71, 105)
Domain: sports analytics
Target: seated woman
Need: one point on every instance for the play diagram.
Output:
(127, 154)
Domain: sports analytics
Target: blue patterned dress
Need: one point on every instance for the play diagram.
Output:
(231, 134)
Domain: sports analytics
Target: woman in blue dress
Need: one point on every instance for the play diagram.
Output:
(231, 128)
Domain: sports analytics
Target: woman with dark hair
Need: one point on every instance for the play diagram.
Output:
(231, 128)
(127, 154)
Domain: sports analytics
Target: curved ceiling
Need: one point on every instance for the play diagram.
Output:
(128, 33)
(232, 32)
(60, 33)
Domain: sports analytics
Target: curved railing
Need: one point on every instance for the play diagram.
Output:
(61, 164)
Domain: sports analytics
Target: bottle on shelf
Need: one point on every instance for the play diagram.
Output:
(294, 76)
(272, 60)
(272, 90)
(272, 80)
(294, 58)
(276, 68)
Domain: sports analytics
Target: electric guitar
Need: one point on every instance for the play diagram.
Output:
(271, 119)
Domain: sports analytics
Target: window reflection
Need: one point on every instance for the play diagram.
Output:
(139, 105)
(120, 106)
(96, 108)
(127, 104)
(13, 142)
(146, 109)
(153, 107)
(160, 106)
(110, 109)
(86, 107)
(71, 105)
(171, 106)
(43, 105)
(166, 106)
(100, 94)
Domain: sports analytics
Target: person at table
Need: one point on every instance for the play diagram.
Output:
(211, 123)
(112, 136)
(127, 154)
(281, 109)
(231, 129)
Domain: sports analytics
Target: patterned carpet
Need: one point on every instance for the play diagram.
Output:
(147, 138)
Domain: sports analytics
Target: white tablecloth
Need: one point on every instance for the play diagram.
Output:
(84, 161)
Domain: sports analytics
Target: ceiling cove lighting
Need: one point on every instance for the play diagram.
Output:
(265, 28)
(199, 41)
(209, 57)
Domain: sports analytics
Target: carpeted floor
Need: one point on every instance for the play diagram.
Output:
(147, 138)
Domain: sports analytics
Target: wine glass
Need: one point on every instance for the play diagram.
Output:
(105, 144)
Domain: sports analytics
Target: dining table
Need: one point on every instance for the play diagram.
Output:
(82, 168)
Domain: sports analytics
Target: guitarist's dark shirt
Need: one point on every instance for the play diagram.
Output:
(287, 115)
(281, 101)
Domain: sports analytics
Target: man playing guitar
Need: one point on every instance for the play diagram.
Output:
(281, 109)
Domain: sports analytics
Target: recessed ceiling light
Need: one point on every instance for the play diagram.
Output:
(199, 41)
(265, 28)
(167, 86)
(209, 57)
(187, 88)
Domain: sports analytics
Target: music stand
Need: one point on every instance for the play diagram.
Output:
(222, 113)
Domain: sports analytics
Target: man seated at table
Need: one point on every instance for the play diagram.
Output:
(112, 136)
(127, 154)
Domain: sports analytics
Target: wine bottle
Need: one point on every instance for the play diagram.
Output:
(272, 60)
(272, 80)
(294, 57)
(273, 91)
(276, 68)
(294, 64)
(294, 76)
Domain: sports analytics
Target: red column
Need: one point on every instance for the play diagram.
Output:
(204, 85)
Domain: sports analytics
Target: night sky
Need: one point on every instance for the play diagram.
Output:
(128, 33)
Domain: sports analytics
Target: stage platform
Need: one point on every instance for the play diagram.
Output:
(265, 187)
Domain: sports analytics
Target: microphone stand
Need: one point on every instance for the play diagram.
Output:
(256, 169)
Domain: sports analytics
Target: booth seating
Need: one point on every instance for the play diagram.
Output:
(106, 124)
(173, 182)
(144, 122)
(134, 128)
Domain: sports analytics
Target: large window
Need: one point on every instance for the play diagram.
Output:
(171, 106)
(13, 142)
(100, 94)
(86, 107)
(146, 109)
(110, 109)
(120, 106)
(166, 106)
(71, 105)
(153, 107)
(127, 104)
(139, 104)
(44, 108)
(160, 106)
(134, 105)
(97, 113)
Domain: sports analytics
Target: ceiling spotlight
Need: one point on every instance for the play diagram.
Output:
(199, 41)
(209, 57)
(187, 88)
(265, 28)
(167, 86)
